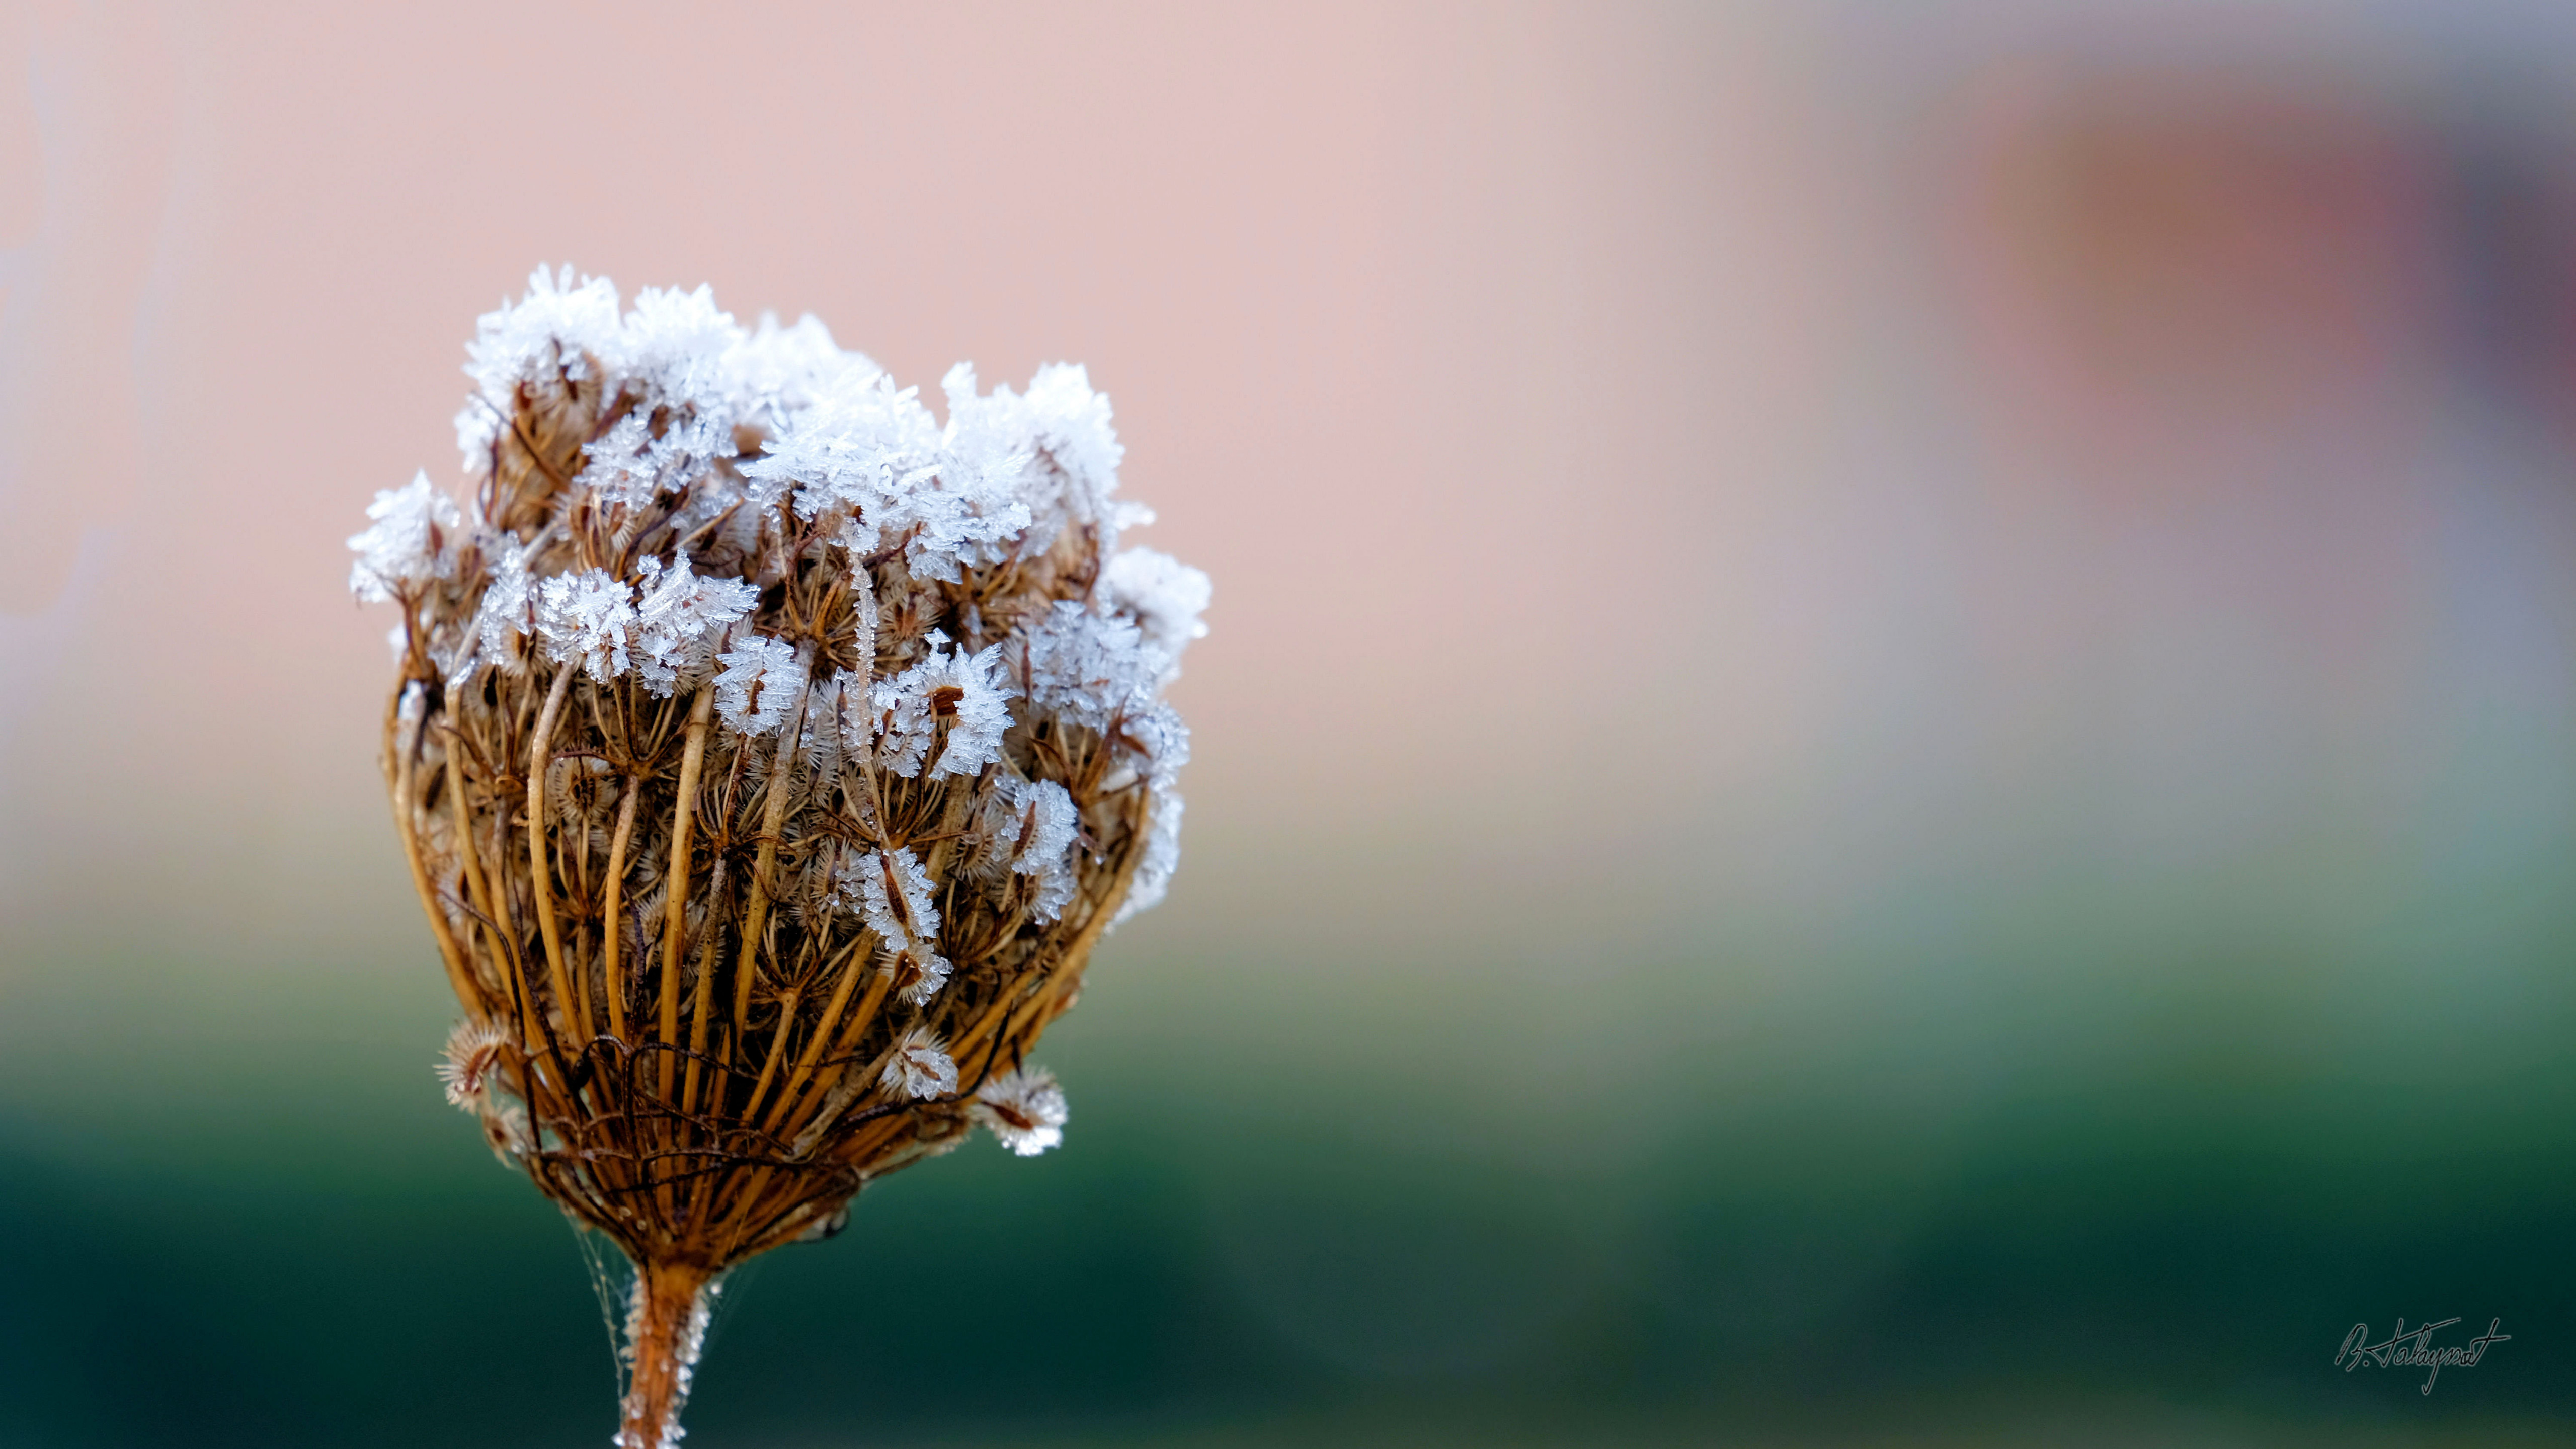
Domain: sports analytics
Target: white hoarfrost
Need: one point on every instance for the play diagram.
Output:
(409, 542)
(1025, 1109)
(918, 1068)
(587, 618)
(681, 618)
(1163, 596)
(950, 712)
(1036, 827)
(757, 684)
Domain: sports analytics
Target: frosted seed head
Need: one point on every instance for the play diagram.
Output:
(757, 684)
(1025, 1110)
(918, 1068)
(587, 618)
(472, 1056)
(685, 515)
(950, 712)
(410, 540)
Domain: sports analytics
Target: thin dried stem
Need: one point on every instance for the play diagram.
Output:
(540, 875)
(612, 925)
(684, 819)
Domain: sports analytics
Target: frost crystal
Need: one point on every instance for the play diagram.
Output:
(628, 466)
(874, 456)
(758, 685)
(777, 372)
(1037, 826)
(1163, 595)
(1162, 857)
(918, 1067)
(1089, 666)
(893, 895)
(555, 329)
(589, 618)
(962, 696)
(1025, 1109)
(681, 617)
(409, 543)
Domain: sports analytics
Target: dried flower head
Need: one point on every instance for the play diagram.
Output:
(769, 757)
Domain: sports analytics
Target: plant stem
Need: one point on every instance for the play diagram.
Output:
(665, 1325)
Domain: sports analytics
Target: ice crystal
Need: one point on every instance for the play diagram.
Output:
(630, 465)
(1037, 824)
(1162, 857)
(1162, 595)
(1089, 666)
(587, 618)
(758, 685)
(777, 372)
(507, 612)
(950, 710)
(873, 457)
(680, 619)
(555, 329)
(1024, 1108)
(918, 1068)
(892, 892)
(408, 544)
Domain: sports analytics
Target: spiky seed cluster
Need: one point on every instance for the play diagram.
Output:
(768, 754)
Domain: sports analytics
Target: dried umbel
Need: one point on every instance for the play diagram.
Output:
(769, 757)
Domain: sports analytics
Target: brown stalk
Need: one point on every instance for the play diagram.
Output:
(662, 1338)
(541, 875)
(773, 819)
(684, 818)
(611, 925)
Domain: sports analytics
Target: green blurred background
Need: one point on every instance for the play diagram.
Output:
(1885, 756)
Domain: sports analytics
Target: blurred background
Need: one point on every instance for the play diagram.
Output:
(1885, 756)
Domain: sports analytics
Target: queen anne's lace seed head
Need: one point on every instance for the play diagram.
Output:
(1024, 1108)
(770, 755)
